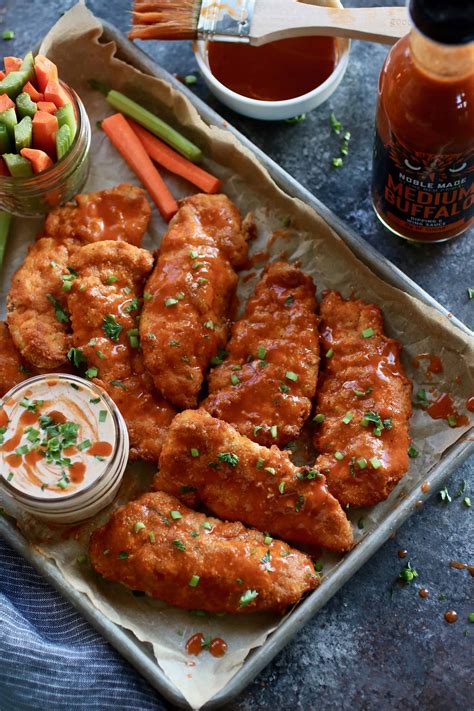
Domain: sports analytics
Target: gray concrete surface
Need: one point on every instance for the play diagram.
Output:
(369, 648)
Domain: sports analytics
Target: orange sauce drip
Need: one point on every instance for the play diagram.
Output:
(443, 407)
(58, 417)
(13, 442)
(13, 460)
(77, 471)
(218, 647)
(470, 404)
(194, 644)
(435, 364)
(3, 418)
(275, 71)
(100, 449)
(28, 418)
(451, 616)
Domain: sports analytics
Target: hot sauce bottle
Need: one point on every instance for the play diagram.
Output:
(423, 167)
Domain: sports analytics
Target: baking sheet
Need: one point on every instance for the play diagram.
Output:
(322, 254)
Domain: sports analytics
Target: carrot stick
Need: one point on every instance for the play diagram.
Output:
(12, 64)
(2, 75)
(44, 132)
(34, 95)
(47, 106)
(45, 71)
(39, 159)
(6, 103)
(174, 162)
(132, 150)
(54, 92)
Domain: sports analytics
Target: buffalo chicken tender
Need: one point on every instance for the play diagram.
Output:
(104, 303)
(157, 545)
(12, 370)
(265, 385)
(185, 318)
(37, 302)
(205, 460)
(363, 404)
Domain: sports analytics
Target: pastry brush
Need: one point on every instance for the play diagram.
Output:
(257, 22)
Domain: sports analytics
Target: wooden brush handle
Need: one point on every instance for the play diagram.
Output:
(279, 19)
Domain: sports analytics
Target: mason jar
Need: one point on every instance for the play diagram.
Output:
(33, 197)
(67, 474)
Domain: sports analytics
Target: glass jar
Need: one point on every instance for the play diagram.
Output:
(33, 197)
(72, 483)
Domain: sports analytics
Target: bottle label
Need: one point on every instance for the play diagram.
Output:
(429, 193)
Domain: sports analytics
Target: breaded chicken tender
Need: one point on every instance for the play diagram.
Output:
(186, 319)
(364, 400)
(104, 303)
(157, 545)
(12, 369)
(36, 306)
(205, 460)
(265, 385)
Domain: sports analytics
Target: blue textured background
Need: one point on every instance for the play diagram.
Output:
(368, 648)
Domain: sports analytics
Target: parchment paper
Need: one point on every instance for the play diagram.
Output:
(74, 44)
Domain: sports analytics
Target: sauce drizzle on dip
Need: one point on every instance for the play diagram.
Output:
(56, 437)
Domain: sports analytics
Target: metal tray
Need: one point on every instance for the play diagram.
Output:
(137, 653)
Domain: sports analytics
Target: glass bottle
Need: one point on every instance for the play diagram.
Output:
(422, 186)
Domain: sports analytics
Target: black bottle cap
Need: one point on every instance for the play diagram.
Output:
(444, 21)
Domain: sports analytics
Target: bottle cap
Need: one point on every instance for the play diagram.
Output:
(444, 22)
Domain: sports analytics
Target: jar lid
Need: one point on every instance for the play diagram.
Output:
(444, 22)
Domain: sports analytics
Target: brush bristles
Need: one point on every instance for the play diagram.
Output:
(165, 19)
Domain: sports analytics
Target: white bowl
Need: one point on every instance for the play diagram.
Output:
(274, 110)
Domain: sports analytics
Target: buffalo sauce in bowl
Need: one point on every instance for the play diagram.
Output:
(63, 447)
(276, 71)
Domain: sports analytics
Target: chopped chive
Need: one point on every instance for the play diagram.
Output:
(470, 293)
(256, 430)
(452, 421)
(318, 566)
(337, 162)
(330, 353)
(171, 302)
(319, 418)
(24, 449)
(209, 325)
(179, 545)
(234, 379)
(284, 388)
(267, 539)
(122, 555)
(207, 526)
(467, 502)
(111, 280)
(289, 375)
(368, 332)
(274, 431)
(84, 445)
(270, 470)
(100, 355)
(82, 559)
(10, 476)
(138, 526)
(362, 463)
(339, 456)
(412, 452)
(335, 124)
(261, 352)
(147, 296)
(102, 415)
(91, 373)
(194, 581)
(247, 598)
(201, 281)
(180, 295)
(152, 536)
(194, 452)
(229, 458)
(290, 300)
(176, 515)
(362, 393)
(281, 487)
(8, 35)
(375, 463)
(260, 463)
(347, 417)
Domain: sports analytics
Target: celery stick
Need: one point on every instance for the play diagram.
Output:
(155, 125)
(8, 119)
(25, 106)
(5, 220)
(63, 141)
(66, 117)
(13, 83)
(4, 139)
(18, 166)
(28, 67)
(23, 134)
